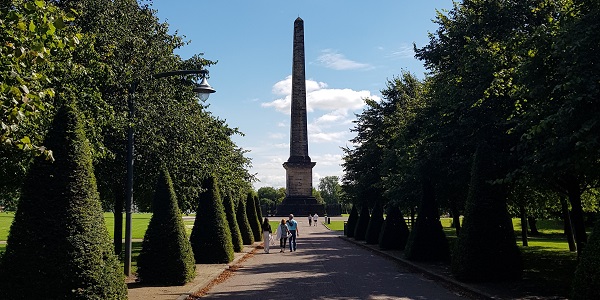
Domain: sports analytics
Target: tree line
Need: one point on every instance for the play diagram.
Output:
(505, 123)
(92, 52)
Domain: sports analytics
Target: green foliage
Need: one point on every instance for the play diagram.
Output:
(586, 284)
(253, 216)
(375, 223)
(236, 235)
(352, 220)
(363, 222)
(58, 241)
(486, 248)
(427, 240)
(257, 207)
(211, 237)
(166, 257)
(34, 40)
(243, 223)
(394, 232)
(330, 189)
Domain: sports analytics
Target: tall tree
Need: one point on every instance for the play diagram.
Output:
(330, 189)
(34, 39)
(58, 240)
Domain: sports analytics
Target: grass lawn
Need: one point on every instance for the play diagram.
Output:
(335, 225)
(6, 219)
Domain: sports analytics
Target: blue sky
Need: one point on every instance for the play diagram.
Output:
(352, 49)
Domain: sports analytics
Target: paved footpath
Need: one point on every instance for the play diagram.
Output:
(325, 267)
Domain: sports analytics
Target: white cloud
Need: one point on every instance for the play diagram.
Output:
(404, 51)
(318, 97)
(326, 137)
(277, 136)
(337, 61)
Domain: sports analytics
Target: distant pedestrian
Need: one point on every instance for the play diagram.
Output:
(282, 234)
(315, 219)
(310, 220)
(266, 229)
(293, 228)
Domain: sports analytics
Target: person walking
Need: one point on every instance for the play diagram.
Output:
(266, 229)
(310, 220)
(315, 219)
(282, 235)
(293, 228)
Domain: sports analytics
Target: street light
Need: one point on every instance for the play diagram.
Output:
(204, 90)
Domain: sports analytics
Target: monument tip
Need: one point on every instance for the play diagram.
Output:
(298, 19)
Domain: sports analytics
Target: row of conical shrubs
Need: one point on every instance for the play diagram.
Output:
(485, 250)
(59, 243)
(168, 257)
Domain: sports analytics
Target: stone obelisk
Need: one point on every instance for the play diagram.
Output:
(299, 200)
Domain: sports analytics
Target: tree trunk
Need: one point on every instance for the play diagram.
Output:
(118, 230)
(533, 225)
(455, 217)
(574, 194)
(412, 216)
(568, 226)
(524, 225)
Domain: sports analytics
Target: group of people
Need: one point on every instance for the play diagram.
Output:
(313, 219)
(286, 229)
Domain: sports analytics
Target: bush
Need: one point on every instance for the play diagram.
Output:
(211, 238)
(374, 227)
(253, 217)
(236, 235)
(394, 232)
(427, 240)
(242, 220)
(486, 249)
(361, 225)
(352, 220)
(258, 209)
(166, 257)
(586, 284)
(58, 244)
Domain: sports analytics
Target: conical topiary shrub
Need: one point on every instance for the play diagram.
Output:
(166, 257)
(258, 209)
(236, 235)
(58, 244)
(374, 227)
(211, 238)
(242, 221)
(586, 284)
(363, 222)
(427, 240)
(394, 232)
(352, 220)
(253, 217)
(486, 249)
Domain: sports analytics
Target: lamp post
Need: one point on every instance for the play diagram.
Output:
(204, 90)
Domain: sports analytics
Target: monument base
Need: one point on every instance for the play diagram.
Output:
(300, 206)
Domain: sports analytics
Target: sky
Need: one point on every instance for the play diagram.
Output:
(352, 49)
